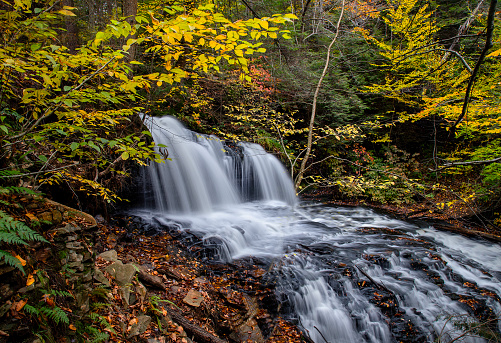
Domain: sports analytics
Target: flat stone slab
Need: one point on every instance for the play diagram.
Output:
(110, 255)
(193, 298)
(122, 273)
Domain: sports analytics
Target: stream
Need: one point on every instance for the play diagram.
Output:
(346, 274)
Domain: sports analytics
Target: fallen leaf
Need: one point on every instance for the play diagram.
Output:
(23, 262)
(30, 280)
(20, 304)
(3, 333)
(73, 327)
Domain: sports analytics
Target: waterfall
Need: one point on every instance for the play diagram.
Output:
(203, 173)
(345, 274)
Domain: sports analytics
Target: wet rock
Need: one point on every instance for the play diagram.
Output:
(140, 326)
(68, 229)
(110, 255)
(122, 273)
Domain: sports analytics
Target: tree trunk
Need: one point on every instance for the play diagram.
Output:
(70, 37)
(130, 12)
(302, 168)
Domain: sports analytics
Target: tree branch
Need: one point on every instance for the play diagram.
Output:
(51, 109)
(488, 45)
(299, 177)
(467, 163)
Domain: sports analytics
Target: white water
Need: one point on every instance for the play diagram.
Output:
(203, 190)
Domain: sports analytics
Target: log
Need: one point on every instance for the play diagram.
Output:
(195, 330)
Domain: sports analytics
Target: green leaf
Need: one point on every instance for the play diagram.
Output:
(74, 146)
(42, 158)
(4, 129)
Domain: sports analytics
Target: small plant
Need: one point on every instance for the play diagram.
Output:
(14, 232)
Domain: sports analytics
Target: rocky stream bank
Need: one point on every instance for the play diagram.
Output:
(127, 282)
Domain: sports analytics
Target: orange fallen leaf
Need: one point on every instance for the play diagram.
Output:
(23, 261)
(30, 280)
(20, 304)
(73, 327)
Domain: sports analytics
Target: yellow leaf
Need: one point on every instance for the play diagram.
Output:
(495, 53)
(66, 12)
(125, 155)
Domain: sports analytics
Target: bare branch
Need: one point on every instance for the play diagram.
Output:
(299, 177)
(488, 45)
(467, 163)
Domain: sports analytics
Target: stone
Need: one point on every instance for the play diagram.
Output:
(74, 246)
(57, 217)
(82, 298)
(71, 238)
(110, 255)
(193, 298)
(99, 277)
(140, 326)
(122, 273)
(27, 289)
(159, 340)
(141, 291)
(68, 229)
(45, 216)
(78, 266)
(5, 308)
(6, 269)
(6, 291)
(126, 294)
(248, 332)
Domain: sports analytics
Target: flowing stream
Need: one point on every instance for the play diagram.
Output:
(347, 274)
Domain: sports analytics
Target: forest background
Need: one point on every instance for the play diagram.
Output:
(378, 101)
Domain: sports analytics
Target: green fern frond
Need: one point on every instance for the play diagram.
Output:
(100, 337)
(32, 311)
(56, 314)
(11, 238)
(99, 305)
(58, 293)
(11, 261)
(97, 318)
(31, 235)
(8, 173)
(20, 190)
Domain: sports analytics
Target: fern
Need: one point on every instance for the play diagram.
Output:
(33, 311)
(99, 305)
(56, 314)
(11, 261)
(97, 336)
(97, 318)
(15, 232)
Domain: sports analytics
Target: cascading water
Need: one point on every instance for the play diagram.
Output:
(339, 269)
(205, 174)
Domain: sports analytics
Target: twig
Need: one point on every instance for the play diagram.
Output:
(321, 334)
